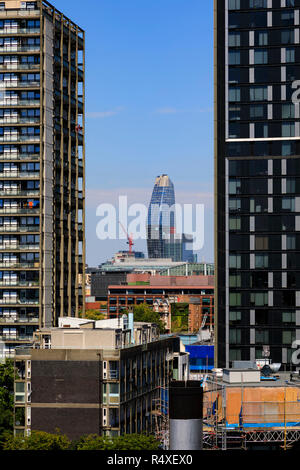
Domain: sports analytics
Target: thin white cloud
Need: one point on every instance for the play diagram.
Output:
(103, 114)
(167, 111)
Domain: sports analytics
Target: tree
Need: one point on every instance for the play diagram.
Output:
(143, 313)
(93, 315)
(38, 440)
(6, 398)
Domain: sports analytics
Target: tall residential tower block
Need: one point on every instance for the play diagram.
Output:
(257, 179)
(42, 161)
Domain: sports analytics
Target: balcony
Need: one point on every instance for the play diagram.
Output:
(19, 156)
(17, 30)
(13, 338)
(18, 210)
(18, 192)
(17, 265)
(7, 138)
(18, 48)
(18, 283)
(15, 101)
(17, 66)
(19, 174)
(19, 228)
(16, 247)
(18, 84)
(17, 319)
(18, 120)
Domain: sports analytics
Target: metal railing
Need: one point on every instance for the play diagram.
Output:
(16, 247)
(18, 84)
(18, 66)
(17, 319)
(18, 192)
(19, 210)
(19, 156)
(19, 174)
(17, 30)
(17, 48)
(19, 138)
(18, 283)
(14, 265)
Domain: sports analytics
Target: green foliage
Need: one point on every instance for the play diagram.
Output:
(38, 440)
(126, 442)
(180, 317)
(6, 398)
(93, 315)
(43, 441)
(143, 313)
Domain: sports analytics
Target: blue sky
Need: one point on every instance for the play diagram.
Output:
(149, 105)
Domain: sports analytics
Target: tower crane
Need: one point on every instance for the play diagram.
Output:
(129, 238)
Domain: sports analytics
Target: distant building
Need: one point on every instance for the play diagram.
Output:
(86, 378)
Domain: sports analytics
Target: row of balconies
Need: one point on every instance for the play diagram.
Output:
(18, 84)
(15, 137)
(16, 48)
(19, 156)
(15, 119)
(18, 247)
(16, 101)
(15, 264)
(15, 65)
(19, 210)
(19, 228)
(19, 192)
(17, 301)
(17, 30)
(18, 283)
(18, 319)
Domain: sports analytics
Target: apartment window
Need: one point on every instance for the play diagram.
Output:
(235, 300)
(234, 205)
(235, 355)
(291, 242)
(234, 223)
(235, 280)
(261, 261)
(235, 336)
(2, 6)
(235, 187)
(258, 205)
(234, 113)
(290, 54)
(287, 18)
(235, 317)
(262, 337)
(259, 299)
(261, 130)
(234, 39)
(288, 36)
(288, 317)
(261, 38)
(288, 204)
(257, 111)
(258, 93)
(234, 58)
(260, 56)
(258, 4)
(235, 261)
(288, 111)
(234, 5)
(261, 243)
(288, 337)
(288, 129)
(291, 185)
(234, 94)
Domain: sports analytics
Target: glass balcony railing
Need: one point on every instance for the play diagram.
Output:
(18, 283)
(19, 319)
(18, 265)
(17, 30)
(15, 101)
(19, 210)
(19, 156)
(19, 228)
(17, 301)
(19, 138)
(16, 247)
(16, 337)
(17, 48)
(19, 120)
(18, 192)
(19, 174)
(18, 84)
(18, 66)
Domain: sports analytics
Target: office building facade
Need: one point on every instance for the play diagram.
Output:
(257, 185)
(42, 246)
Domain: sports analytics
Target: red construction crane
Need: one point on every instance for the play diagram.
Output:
(129, 238)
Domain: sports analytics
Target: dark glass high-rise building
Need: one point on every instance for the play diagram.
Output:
(161, 218)
(257, 179)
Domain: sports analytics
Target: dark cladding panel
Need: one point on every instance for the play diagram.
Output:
(65, 382)
(74, 422)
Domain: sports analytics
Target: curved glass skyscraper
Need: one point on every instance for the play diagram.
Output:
(161, 217)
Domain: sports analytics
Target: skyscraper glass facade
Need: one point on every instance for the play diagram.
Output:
(257, 162)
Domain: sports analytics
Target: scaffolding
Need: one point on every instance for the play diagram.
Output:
(160, 414)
